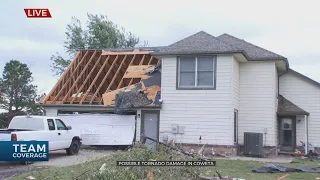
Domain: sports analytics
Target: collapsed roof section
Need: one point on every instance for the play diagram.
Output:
(97, 73)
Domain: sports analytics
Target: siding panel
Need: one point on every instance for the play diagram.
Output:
(307, 96)
(257, 100)
(205, 113)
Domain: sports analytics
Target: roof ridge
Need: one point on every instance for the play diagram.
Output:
(251, 44)
(224, 43)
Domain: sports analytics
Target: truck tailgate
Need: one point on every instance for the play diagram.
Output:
(5, 136)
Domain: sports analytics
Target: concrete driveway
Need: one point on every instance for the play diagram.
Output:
(57, 159)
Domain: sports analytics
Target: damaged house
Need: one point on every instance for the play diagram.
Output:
(199, 90)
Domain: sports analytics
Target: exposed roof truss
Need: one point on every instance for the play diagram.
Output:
(95, 72)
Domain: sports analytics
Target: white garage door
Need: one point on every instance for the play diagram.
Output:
(101, 129)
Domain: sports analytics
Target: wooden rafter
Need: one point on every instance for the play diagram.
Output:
(116, 74)
(94, 80)
(104, 78)
(91, 74)
(72, 74)
(80, 76)
(150, 60)
(61, 80)
(125, 53)
(120, 84)
(86, 80)
(141, 61)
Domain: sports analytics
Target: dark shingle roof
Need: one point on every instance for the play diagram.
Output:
(200, 42)
(254, 52)
(286, 107)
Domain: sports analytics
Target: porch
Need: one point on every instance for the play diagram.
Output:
(291, 116)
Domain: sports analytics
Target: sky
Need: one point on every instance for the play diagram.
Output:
(288, 28)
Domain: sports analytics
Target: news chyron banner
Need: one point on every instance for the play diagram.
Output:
(24, 151)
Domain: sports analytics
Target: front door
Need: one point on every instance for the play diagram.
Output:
(150, 127)
(287, 132)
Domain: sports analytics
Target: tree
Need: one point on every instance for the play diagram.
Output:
(18, 94)
(99, 33)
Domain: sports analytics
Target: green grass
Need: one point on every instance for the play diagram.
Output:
(234, 168)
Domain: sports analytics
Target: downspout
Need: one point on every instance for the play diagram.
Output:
(306, 134)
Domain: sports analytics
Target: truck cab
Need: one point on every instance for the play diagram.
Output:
(43, 128)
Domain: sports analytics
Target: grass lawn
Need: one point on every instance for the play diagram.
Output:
(234, 168)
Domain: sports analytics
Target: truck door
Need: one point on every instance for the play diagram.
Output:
(51, 135)
(64, 135)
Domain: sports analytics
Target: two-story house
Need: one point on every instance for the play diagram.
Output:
(213, 90)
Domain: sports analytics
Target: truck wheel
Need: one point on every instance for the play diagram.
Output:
(74, 147)
(26, 162)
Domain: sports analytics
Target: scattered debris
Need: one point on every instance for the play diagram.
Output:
(218, 178)
(282, 177)
(144, 138)
(102, 168)
(150, 175)
(125, 100)
(30, 177)
(273, 168)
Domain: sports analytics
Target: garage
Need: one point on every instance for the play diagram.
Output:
(102, 129)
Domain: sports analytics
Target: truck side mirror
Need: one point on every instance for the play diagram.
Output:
(69, 127)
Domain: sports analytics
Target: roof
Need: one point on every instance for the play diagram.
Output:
(203, 42)
(254, 52)
(96, 73)
(286, 107)
(200, 42)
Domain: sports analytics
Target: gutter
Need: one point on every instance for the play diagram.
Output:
(94, 106)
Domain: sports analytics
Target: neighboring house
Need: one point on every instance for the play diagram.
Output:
(213, 90)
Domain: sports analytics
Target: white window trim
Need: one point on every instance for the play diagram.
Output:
(214, 59)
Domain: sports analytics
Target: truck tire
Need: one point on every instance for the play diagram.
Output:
(74, 147)
(26, 162)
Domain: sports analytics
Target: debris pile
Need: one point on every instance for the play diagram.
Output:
(146, 92)
(129, 98)
(273, 168)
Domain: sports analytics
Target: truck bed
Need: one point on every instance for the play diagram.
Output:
(8, 131)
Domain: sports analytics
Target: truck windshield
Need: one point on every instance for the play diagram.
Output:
(26, 123)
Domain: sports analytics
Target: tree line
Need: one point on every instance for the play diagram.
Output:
(18, 93)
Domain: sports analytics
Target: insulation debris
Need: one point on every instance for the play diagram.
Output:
(146, 92)
(125, 100)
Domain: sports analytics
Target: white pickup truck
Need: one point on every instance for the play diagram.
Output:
(42, 128)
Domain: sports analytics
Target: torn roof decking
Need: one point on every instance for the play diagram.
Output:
(95, 72)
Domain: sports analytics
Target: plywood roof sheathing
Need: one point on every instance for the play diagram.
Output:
(120, 84)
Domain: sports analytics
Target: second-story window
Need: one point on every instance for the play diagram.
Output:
(196, 72)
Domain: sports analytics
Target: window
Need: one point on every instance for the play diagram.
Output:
(196, 72)
(235, 128)
(51, 125)
(60, 125)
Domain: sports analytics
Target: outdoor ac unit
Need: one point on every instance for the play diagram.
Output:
(253, 144)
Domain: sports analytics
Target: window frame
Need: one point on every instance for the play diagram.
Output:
(196, 87)
(54, 124)
(62, 124)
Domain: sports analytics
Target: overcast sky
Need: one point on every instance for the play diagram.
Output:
(285, 27)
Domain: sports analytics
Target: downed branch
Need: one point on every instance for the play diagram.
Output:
(144, 138)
